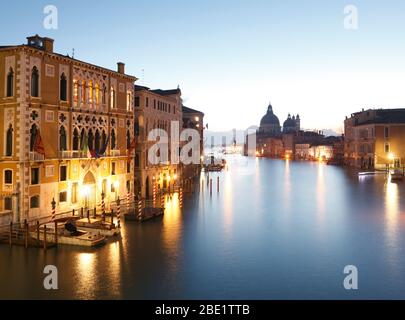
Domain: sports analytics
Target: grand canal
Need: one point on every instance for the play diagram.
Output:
(276, 230)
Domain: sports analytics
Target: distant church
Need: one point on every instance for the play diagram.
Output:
(270, 124)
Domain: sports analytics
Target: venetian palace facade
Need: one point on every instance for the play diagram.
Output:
(79, 114)
(155, 109)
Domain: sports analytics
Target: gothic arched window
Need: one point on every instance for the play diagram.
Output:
(75, 140)
(91, 140)
(63, 88)
(33, 135)
(62, 139)
(10, 83)
(9, 141)
(113, 140)
(82, 138)
(35, 82)
(97, 141)
(103, 139)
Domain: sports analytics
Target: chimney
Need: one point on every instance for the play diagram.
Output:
(48, 44)
(121, 67)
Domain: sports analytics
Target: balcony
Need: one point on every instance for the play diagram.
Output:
(73, 154)
(35, 156)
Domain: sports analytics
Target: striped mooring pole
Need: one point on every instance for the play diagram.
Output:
(162, 200)
(102, 206)
(118, 212)
(53, 203)
(139, 209)
(181, 197)
(128, 201)
(154, 194)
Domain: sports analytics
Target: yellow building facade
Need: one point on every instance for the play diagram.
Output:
(70, 104)
(375, 139)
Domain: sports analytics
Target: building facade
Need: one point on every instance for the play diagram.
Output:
(67, 126)
(193, 119)
(156, 109)
(375, 139)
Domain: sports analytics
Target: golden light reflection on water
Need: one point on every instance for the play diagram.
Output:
(85, 281)
(287, 185)
(172, 228)
(392, 212)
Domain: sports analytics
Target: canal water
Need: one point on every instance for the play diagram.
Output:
(276, 230)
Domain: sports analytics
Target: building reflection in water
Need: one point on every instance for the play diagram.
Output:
(228, 203)
(320, 192)
(287, 186)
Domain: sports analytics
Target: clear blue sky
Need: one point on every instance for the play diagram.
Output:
(232, 57)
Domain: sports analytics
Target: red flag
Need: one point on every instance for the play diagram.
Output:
(38, 145)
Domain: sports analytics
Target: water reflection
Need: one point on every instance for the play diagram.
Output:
(85, 280)
(320, 192)
(392, 220)
(172, 228)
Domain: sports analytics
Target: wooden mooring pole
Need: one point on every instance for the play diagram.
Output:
(38, 240)
(218, 184)
(45, 247)
(56, 233)
(112, 218)
(26, 233)
(11, 234)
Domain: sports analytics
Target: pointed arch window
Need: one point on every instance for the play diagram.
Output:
(10, 83)
(113, 140)
(82, 137)
(33, 135)
(75, 140)
(62, 139)
(103, 140)
(103, 94)
(112, 98)
(97, 97)
(9, 141)
(63, 87)
(91, 140)
(35, 82)
(91, 92)
(97, 142)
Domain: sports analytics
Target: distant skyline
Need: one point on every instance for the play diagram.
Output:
(231, 58)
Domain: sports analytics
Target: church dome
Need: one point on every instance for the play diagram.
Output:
(289, 123)
(270, 118)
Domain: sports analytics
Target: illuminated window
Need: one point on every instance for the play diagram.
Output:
(75, 91)
(112, 98)
(97, 94)
(129, 101)
(91, 92)
(83, 92)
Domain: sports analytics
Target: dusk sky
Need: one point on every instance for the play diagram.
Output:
(231, 58)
